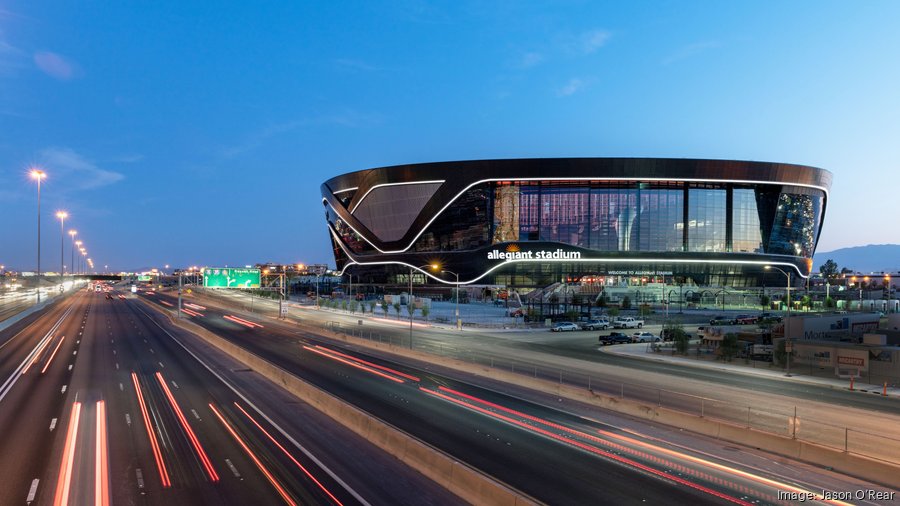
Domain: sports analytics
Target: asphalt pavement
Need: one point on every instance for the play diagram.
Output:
(545, 453)
(101, 403)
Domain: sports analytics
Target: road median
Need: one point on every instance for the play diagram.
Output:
(466, 482)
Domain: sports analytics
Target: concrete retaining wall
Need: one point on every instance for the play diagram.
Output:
(853, 465)
(469, 484)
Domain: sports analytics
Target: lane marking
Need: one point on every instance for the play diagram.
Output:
(32, 491)
(63, 390)
(157, 454)
(281, 491)
(334, 476)
(204, 459)
(140, 478)
(128, 419)
(52, 424)
(195, 414)
(295, 461)
(233, 469)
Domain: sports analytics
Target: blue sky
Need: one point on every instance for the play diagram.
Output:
(199, 132)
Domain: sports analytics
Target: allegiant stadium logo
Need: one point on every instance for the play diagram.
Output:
(514, 252)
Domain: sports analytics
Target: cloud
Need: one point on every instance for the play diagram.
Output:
(594, 40)
(55, 65)
(690, 50)
(347, 118)
(570, 88)
(78, 172)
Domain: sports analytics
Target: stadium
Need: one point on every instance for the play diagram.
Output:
(525, 224)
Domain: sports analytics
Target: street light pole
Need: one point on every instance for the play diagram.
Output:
(787, 323)
(39, 175)
(62, 215)
(72, 233)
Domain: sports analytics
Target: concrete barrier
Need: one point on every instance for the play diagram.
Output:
(853, 465)
(468, 483)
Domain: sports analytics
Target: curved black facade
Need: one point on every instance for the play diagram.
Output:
(529, 222)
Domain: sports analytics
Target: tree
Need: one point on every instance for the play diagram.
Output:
(425, 312)
(372, 305)
(829, 269)
(411, 309)
(397, 309)
(829, 302)
(602, 301)
(626, 302)
(385, 307)
(353, 306)
(764, 301)
(675, 331)
(644, 309)
(344, 305)
(781, 355)
(729, 347)
(613, 311)
(805, 301)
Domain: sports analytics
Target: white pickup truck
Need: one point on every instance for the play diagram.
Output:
(628, 323)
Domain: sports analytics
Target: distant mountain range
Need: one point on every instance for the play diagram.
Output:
(871, 258)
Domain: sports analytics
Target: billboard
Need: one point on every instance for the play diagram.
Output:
(231, 278)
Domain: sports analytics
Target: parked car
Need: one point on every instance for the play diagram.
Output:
(722, 320)
(614, 338)
(514, 312)
(596, 324)
(669, 335)
(644, 337)
(745, 319)
(564, 327)
(769, 317)
(628, 323)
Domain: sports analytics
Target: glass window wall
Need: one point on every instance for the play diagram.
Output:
(706, 218)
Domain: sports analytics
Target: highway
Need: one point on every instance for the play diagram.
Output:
(554, 456)
(578, 356)
(102, 404)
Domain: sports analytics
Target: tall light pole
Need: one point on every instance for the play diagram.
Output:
(39, 176)
(787, 322)
(62, 215)
(438, 267)
(78, 245)
(72, 233)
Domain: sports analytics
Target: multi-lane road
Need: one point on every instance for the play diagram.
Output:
(551, 455)
(101, 404)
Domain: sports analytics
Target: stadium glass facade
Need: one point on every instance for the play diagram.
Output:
(529, 223)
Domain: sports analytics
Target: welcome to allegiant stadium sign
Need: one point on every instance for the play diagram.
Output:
(558, 254)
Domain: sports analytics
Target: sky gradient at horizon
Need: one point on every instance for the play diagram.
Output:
(199, 133)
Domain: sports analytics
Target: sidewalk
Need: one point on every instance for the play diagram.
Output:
(641, 351)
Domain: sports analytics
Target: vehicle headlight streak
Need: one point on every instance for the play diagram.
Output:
(210, 470)
(477, 404)
(157, 454)
(65, 469)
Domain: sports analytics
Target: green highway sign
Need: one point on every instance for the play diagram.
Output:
(144, 277)
(231, 278)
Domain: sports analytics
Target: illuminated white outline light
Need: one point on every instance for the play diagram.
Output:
(354, 261)
(394, 184)
(345, 190)
(688, 180)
